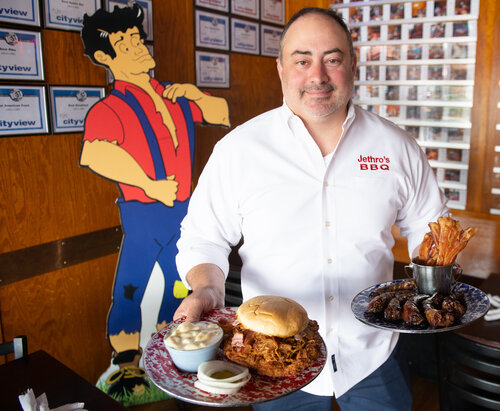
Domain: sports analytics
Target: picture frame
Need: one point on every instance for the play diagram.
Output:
(212, 69)
(23, 110)
(21, 55)
(58, 14)
(245, 36)
(69, 106)
(211, 30)
(26, 12)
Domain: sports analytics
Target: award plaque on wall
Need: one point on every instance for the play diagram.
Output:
(212, 69)
(65, 15)
(272, 11)
(23, 110)
(244, 36)
(221, 5)
(69, 107)
(212, 30)
(20, 55)
(20, 12)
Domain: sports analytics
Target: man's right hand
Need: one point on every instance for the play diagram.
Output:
(197, 303)
(164, 191)
(207, 283)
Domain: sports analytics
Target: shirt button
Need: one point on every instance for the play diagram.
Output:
(330, 330)
(330, 261)
(330, 298)
(328, 224)
(325, 184)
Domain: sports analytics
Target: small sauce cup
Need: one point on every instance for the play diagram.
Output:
(191, 344)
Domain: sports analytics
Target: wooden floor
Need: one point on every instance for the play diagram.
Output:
(425, 398)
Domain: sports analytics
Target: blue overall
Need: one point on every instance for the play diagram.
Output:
(150, 234)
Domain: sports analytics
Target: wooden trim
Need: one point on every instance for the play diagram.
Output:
(28, 262)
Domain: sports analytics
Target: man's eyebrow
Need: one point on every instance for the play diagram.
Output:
(308, 53)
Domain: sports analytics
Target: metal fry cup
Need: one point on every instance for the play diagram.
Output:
(432, 278)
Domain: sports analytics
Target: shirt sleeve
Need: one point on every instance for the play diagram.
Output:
(212, 224)
(102, 123)
(426, 202)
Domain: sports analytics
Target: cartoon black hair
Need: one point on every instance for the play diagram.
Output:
(98, 27)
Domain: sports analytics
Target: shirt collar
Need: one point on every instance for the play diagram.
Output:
(289, 115)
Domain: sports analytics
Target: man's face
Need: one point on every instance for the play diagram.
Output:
(316, 71)
(132, 56)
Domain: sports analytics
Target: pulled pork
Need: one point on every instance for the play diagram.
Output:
(272, 356)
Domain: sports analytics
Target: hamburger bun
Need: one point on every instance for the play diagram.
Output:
(272, 315)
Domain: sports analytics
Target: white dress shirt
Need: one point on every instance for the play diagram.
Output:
(315, 229)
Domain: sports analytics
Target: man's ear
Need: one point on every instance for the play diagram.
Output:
(102, 57)
(279, 67)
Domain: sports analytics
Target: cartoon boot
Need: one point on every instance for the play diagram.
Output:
(129, 379)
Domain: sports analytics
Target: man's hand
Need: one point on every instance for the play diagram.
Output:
(207, 282)
(163, 190)
(190, 91)
(198, 302)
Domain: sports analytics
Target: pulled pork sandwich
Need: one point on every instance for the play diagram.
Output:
(272, 335)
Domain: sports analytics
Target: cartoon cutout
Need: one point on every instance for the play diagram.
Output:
(141, 135)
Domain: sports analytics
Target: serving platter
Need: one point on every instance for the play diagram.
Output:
(477, 305)
(164, 374)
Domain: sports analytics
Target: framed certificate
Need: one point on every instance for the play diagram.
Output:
(272, 11)
(20, 12)
(69, 106)
(244, 36)
(212, 69)
(23, 110)
(247, 8)
(68, 15)
(270, 40)
(20, 55)
(212, 30)
(147, 7)
(221, 5)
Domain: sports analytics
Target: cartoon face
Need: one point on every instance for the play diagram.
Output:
(132, 55)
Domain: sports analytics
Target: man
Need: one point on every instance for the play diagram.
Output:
(313, 187)
(141, 136)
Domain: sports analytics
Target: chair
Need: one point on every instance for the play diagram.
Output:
(469, 374)
(18, 346)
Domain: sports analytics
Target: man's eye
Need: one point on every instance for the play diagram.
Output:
(333, 61)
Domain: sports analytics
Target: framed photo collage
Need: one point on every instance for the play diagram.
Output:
(416, 62)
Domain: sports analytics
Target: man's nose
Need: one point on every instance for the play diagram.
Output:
(317, 73)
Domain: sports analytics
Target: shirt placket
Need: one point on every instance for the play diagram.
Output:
(330, 264)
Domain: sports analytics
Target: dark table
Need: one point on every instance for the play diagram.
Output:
(43, 373)
(482, 331)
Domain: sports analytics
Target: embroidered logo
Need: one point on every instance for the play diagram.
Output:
(373, 163)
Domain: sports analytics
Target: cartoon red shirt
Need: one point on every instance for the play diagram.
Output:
(112, 119)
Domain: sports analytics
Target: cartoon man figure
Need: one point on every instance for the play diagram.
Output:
(141, 136)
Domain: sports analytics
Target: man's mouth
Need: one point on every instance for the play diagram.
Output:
(319, 91)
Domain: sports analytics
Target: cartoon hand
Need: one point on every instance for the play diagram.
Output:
(190, 91)
(163, 190)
